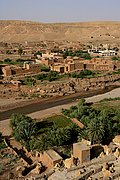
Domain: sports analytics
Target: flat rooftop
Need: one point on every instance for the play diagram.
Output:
(82, 146)
(53, 155)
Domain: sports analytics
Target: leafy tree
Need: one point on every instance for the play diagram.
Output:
(83, 74)
(29, 81)
(83, 134)
(37, 53)
(55, 136)
(115, 122)
(20, 51)
(7, 60)
(105, 118)
(78, 53)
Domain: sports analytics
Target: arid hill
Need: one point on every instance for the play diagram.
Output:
(86, 32)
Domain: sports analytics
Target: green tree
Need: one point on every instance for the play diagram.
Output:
(37, 53)
(95, 131)
(81, 103)
(59, 136)
(7, 60)
(105, 118)
(24, 128)
(24, 132)
(20, 51)
(16, 118)
(29, 81)
(41, 143)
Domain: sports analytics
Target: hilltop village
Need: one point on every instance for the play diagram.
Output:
(68, 145)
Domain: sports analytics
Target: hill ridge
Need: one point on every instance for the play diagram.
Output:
(20, 31)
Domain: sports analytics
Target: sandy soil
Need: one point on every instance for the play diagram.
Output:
(4, 102)
(4, 125)
(111, 94)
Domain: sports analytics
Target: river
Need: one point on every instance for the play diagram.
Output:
(59, 102)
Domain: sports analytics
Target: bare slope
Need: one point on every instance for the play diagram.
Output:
(20, 31)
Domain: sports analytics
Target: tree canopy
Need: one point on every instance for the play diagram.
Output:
(100, 125)
(20, 51)
(24, 128)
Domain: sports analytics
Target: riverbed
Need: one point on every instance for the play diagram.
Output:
(56, 109)
(36, 105)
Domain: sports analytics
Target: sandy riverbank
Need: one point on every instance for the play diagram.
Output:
(4, 125)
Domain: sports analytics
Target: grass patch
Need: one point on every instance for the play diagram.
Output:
(59, 120)
(107, 104)
(110, 99)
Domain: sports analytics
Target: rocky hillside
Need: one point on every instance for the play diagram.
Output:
(20, 31)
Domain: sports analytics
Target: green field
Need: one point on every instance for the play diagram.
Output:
(60, 121)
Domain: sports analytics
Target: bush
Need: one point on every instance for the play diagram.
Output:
(78, 53)
(83, 74)
(29, 81)
(114, 58)
(7, 60)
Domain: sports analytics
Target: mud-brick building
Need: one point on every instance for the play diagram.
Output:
(100, 64)
(50, 158)
(95, 64)
(16, 70)
(68, 67)
(81, 151)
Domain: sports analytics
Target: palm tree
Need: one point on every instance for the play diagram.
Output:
(81, 103)
(95, 131)
(24, 132)
(16, 118)
(59, 136)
